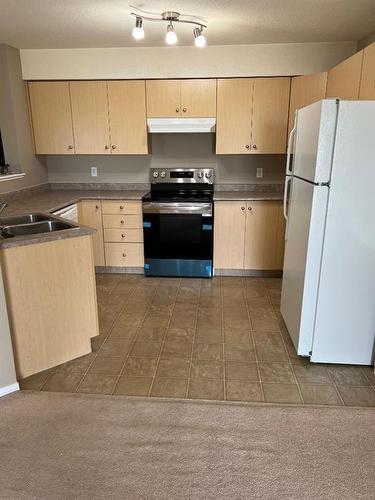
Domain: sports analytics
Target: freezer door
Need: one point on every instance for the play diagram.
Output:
(315, 138)
(303, 250)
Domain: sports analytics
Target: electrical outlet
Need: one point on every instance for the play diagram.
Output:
(259, 172)
(94, 172)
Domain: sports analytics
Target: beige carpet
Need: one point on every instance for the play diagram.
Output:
(82, 447)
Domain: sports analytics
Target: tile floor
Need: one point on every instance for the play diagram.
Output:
(220, 339)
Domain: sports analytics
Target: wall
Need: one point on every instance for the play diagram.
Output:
(14, 124)
(168, 150)
(367, 40)
(184, 62)
(8, 381)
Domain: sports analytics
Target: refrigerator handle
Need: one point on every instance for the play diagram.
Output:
(287, 180)
(289, 171)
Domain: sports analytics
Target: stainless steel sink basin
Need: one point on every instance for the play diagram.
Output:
(46, 226)
(13, 220)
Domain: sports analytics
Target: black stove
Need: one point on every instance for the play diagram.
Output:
(178, 223)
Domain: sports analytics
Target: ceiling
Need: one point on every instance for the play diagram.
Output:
(107, 23)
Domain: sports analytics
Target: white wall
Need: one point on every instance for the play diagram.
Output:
(183, 62)
(168, 150)
(15, 125)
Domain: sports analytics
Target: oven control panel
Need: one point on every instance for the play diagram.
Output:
(182, 175)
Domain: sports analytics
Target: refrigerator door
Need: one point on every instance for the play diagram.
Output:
(314, 144)
(303, 250)
(345, 319)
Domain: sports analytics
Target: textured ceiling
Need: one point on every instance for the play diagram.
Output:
(107, 23)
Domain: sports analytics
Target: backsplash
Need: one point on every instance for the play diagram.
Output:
(168, 150)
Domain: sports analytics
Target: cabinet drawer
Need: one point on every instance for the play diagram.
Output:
(122, 221)
(124, 254)
(121, 207)
(123, 236)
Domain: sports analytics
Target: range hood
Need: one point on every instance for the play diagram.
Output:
(181, 125)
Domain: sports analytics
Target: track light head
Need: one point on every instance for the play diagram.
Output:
(170, 37)
(138, 31)
(199, 38)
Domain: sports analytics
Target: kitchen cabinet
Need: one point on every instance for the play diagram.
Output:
(249, 235)
(252, 115)
(305, 90)
(90, 117)
(181, 98)
(90, 214)
(367, 87)
(127, 117)
(51, 117)
(344, 79)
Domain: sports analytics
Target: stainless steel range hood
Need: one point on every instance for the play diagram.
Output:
(181, 125)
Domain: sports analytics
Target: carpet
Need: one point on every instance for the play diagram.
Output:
(60, 446)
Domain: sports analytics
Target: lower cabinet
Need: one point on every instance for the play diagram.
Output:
(249, 235)
(90, 214)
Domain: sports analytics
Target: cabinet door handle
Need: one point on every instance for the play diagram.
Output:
(250, 208)
(247, 146)
(121, 207)
(123, 236)
(242, 208)
(106, 146)
(124, 254)
(177, 110)
(254, 146)
(70, 146)
(122, 222)
(97, 207)
(113, 146)
(184, 110)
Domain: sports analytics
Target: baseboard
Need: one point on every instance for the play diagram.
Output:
(119, 270)
(8, 389)
(255, 273)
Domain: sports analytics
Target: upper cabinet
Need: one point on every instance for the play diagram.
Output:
(252, 115)
(127, 117)
(90, 117)
(181, 98)
(51, 117)
(367, 87)
(344, 79)
(305, 90)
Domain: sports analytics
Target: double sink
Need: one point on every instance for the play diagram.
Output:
(28, 224)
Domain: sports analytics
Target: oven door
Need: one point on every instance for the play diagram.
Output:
(178, 239)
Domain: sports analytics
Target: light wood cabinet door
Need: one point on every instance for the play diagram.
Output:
(344, 79)
(90, 117)
(198, 98)
(270, 115)
(163, 98)
(90, 214)
(229, 234)
(305, 90)
(124, 254)
(233, 122)
(367, 87)
(263, 236)
(118, 207)
(127, 117)
(51, 117)
(122, 221)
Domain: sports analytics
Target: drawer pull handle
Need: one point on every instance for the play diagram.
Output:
(124, 254)
(242, 208)
(250, 208)
(121, 207)
(97, 207)
(122, 222)
(123, 236)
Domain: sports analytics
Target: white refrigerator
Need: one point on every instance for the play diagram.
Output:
(328, 289)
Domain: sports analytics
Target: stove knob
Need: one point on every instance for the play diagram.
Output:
(162, 175)
(207, 175)
(200, 175)
(155, 175)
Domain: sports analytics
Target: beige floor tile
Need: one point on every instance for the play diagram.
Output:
(62, 382)
(206, 369)
(146, 349)
(126, 330)
(281, 393)
(256, 304)
(270, 353)
(97, 383)
(312, 374)
(116, 346)
(175, 368)
(239, 352)
(240, 390)
(177, 350)
(203, 388)
(169, 387)
(133, 386)
(78, 365)
(348, 375)
(35, 382)
(264, 320)
(357, 396)
(207, 335)
(140, 367)
(97, 342)
(184, 334)
(277, 373)
(369, 372)
(319, 394)
(270, 338)
(152, 333)
(237, 334)
(208, 351)
(241, 371)
(107, 365)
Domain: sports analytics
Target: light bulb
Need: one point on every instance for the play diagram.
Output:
(199, 38)
(170, 37)
(138, 31)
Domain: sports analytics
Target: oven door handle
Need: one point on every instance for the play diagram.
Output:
(204, 209)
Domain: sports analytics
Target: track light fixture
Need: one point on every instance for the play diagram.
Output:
(170, 17)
